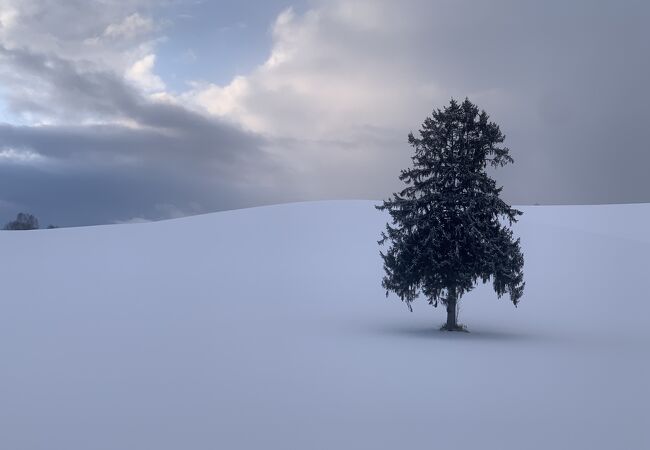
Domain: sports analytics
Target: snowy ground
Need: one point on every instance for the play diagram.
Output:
(267, 328)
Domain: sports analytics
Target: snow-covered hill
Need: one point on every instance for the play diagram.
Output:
(267, 328)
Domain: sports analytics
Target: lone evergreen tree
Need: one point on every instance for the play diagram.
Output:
(449, 227)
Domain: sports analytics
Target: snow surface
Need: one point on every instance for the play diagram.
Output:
(267, 328)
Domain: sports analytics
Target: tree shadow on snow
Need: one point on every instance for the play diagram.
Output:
(416, 331)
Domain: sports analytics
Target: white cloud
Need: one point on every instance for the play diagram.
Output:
(20, 156)
(141, 74)
(166, 211)
(131, 221)
(8, 16)
(85, 36)
(335, 96)
(320, 81)
(130, 27)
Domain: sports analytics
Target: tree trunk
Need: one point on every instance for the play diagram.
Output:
(451, 311)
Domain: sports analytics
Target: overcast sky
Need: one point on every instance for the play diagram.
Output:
(131, 110)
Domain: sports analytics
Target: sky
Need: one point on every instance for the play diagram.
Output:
(115, 111)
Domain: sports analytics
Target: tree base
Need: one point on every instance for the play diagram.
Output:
(458, 327)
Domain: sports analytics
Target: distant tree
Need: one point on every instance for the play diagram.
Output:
(51, 227)
(23, 221)
(449, 227)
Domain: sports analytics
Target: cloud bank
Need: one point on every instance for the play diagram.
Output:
(94, 134)
(565, 81)
(95, 139)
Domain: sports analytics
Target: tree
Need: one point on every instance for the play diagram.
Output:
(449, 227)
(23, 221)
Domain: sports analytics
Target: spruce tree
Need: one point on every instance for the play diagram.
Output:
(449, 227)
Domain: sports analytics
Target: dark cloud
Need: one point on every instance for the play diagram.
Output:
(102, 174)
(567, 81)
(170, 159)
(59, 88)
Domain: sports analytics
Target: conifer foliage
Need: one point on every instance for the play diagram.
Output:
(449, 227)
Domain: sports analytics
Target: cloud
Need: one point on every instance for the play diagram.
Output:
(95, 134)
(7, 17)
(117, 36)
(161, 151)
(132, 26)
(103, 173)
(322, 77)
(561, 79)
(90, 145)
(141, 73)
(17, 156)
